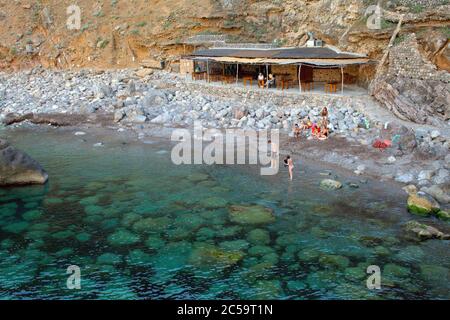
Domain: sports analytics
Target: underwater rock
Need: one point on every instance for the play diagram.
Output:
(334, 261)
(197, 177)
(93, 210)
(392, 270)
(318, 232)
(64, 252)
(421, 205)
(435, 274)
(154, 243)
(83, 237)
(32, 215)
(443, 215)
(171, 257)
(355, 273)
(17, 168)
(258, 237)
(205, 234)
(266, 290)
(424, 232)
(138, 257)
(213, 203)
(109, 258)
(152, 224)
(110, 224)
(189, 221)
(258, 271)
(260, 250)
(130, 218)
(6, 244)
(296, 285)
(288, 239)
(35, 235)
(321, 279)
(254, 214)
(381, 251)
(330, 184)
(64, 234)
(412, 254)
(207, 184)
(208, 256)
(123, 238)
(234, 245)
(16, 227)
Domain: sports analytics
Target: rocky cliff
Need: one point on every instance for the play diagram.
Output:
(119, 33)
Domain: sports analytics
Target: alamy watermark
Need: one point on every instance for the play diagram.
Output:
(230, 148)
(74, 280)
(74, 17)
(374, 280)
(375, 14)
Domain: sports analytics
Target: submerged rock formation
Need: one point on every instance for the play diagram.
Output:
(17, 168)
(425, 232)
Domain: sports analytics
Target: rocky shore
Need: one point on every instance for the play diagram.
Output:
(142, 100)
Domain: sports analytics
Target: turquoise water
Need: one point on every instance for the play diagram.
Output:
(140, 227)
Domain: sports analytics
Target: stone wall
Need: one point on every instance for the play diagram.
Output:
(405, 60)
(325, 75)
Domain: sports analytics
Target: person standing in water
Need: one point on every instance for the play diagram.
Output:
(273, 154)
(290, 164)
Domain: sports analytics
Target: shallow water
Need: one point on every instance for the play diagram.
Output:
(140, 227)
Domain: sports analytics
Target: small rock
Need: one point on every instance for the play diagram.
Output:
(405, 178)
(410, 189)
(330, 184)
(435, 134)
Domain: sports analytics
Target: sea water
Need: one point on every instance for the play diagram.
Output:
(139, 227)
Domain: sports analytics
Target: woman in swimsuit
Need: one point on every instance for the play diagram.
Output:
(290, 165)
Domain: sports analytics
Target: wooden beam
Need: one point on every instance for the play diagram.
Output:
(300, 77)
(390, 45)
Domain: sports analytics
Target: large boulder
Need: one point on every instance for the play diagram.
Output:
(438, 193)
(422, 205)
(17, 168)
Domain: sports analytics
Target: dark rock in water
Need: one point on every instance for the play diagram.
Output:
(424, 232)
(17, 168)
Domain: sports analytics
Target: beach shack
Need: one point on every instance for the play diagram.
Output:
(293, 67)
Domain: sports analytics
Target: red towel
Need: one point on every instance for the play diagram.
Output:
(382, 144)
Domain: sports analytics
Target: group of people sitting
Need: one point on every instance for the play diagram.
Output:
(318, 130)
(268, 82)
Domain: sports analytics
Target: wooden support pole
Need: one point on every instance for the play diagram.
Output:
(299, 77)
(207, 70)
(267, 76)
(388, 48)
(342, 76)
(237, 73)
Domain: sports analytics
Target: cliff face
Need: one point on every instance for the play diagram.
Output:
(122, 33)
